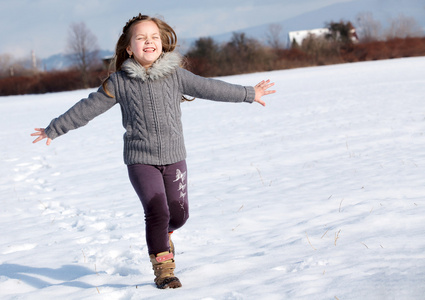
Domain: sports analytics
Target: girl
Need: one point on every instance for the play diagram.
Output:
(149, 85)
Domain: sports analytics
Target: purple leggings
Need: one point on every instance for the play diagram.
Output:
(163, 193)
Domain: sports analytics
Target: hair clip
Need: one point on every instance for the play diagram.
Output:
(131, 21)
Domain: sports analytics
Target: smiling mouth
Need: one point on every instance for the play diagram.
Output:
(149, 50)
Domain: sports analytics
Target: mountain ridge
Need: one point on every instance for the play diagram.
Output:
(382, 11)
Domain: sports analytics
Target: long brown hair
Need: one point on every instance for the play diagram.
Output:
(168, 39)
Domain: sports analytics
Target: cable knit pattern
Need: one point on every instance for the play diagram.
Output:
(170, 108)
(150, 106)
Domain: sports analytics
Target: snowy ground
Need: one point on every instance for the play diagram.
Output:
(319, 195)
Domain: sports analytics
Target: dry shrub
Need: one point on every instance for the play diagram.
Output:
(201, 66)
(292, 58)
(16, 85)
(48, 82)
(377, 50)
(241, 55)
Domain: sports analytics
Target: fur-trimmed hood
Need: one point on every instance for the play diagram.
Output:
(162, 67)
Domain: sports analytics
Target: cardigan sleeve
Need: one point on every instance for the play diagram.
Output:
(82, 112)
(214, 89)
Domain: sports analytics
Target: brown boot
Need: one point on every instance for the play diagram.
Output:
(171, 244)
(163, 265)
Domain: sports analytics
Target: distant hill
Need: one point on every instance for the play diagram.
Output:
(382, 10)
(62, 61)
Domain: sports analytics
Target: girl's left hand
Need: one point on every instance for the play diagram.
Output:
(261, 90)
(41, 135)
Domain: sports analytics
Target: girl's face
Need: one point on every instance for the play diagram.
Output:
(145, 43)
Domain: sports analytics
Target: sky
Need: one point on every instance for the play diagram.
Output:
(42, 26)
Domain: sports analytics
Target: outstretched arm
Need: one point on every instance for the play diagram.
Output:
(77, 116)
(261, 89)
(41, 135)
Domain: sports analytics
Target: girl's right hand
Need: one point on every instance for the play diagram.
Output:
(41, 135)
(261, 89)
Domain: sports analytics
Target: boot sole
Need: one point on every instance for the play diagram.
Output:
(170, 283)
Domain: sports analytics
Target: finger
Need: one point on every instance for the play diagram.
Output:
(265, 82)
(261, 102)
(40, 131)
(48, 141)
(259, 84)
(37, 140)
(268, 86)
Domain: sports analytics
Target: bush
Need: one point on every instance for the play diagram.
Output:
(48, 82)
(243, 55)
(376, 50)
(240, 55)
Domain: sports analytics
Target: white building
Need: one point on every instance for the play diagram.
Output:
(299, 36)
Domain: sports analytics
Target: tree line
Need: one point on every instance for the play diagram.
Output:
(26, 76)
(370, 41)
(241, 54)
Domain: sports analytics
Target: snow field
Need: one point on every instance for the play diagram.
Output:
(319, 195)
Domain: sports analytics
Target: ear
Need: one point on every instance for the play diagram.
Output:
(129, 51)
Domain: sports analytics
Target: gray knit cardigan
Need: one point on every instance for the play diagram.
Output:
(150, 105)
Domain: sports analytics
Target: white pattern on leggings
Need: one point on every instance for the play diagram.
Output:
(182, 186)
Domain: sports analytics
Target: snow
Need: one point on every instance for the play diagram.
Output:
(319, 195)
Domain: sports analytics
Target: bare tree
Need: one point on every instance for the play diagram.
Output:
(403, 27)
(368, 28)
(204, 56)
(342, 33)
(83, 48)
(6, 68)
(9, 66)
(274, 36)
